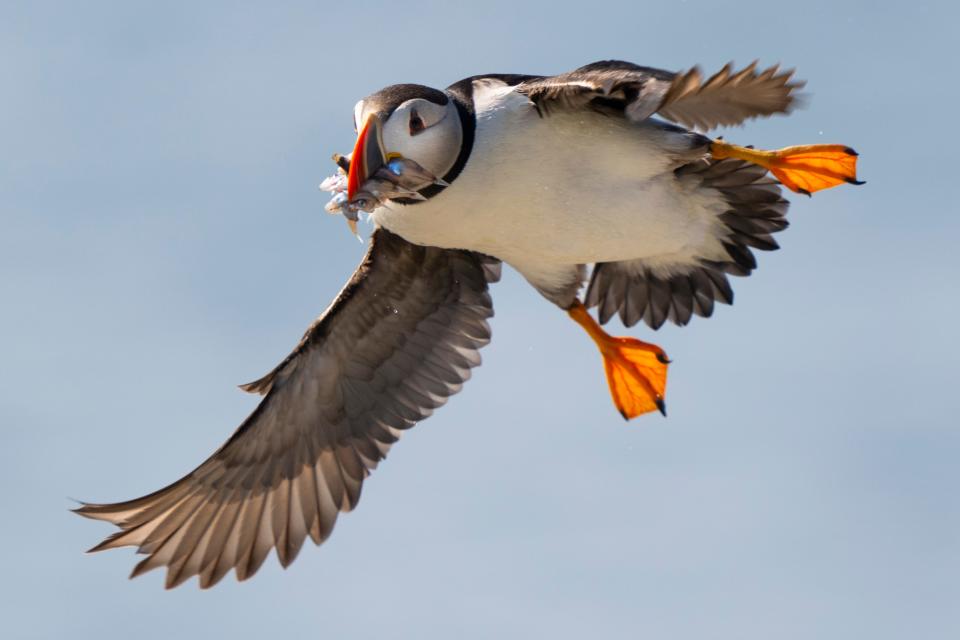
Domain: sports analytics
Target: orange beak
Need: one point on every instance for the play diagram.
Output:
(368, 155)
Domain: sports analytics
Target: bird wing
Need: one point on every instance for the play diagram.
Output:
(636, 92)
(400, 339)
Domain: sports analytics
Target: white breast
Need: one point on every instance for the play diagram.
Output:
(567, 188)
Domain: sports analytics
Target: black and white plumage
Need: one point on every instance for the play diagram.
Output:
(553, 175)
(584, 175)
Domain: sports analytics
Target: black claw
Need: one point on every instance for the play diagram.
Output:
(624, 414)
(663, 359)
(804, 192)
(855, 181)
(850, 152)
(662, 406)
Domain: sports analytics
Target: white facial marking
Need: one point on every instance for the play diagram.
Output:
(426, 132)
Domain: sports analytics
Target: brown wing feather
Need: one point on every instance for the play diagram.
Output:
(637, 92)
(729, 98)
(610, 85)
(400, 339)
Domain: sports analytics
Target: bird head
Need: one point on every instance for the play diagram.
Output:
(417, 127)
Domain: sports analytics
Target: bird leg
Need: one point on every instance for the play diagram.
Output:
(636, 371)
(804, 168)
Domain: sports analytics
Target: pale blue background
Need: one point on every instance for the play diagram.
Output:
(163, 239)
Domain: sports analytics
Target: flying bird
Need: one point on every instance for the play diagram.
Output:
(602, 177)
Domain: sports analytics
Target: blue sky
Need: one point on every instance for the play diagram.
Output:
(163, 239)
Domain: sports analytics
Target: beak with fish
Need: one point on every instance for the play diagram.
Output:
(370, 175)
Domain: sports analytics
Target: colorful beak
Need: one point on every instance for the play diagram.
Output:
(368, 155)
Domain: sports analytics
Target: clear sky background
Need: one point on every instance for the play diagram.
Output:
(163, 239)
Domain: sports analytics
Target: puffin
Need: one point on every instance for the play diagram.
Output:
(600, 186)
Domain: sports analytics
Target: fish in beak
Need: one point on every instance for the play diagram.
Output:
(371, 175)
(383, 174)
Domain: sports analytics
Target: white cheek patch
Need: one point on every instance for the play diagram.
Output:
(395, 134)
(435, 148)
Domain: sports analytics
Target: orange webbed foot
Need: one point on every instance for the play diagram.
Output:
(804, 169)
(636, 371)
(637, 376)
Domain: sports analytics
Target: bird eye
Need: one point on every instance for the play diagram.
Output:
(416, 123)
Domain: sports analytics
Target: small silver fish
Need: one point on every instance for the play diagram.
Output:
(337, 202)
(334, 183)
(398, 178)
(411, 175)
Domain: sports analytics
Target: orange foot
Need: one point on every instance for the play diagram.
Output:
(636, 371)
(804, 169)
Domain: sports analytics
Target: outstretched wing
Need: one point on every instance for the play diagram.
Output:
(398, 341)
(636, 92)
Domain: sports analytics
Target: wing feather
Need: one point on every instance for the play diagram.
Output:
(398, 341)
(636, 93)
(729, 98)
